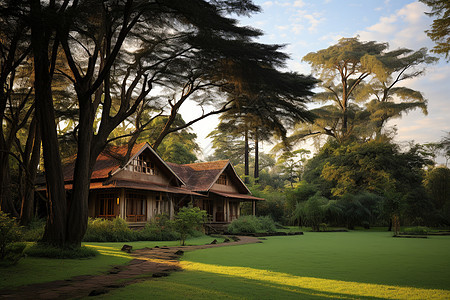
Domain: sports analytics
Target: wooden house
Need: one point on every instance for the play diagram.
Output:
(145, 186)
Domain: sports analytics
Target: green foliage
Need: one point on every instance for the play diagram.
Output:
(437, 184)
(302, 192)
(13, 253)
(43, 250)
(291, 164)
(251, 224)
(355, 210)
(187, 221)
(34, 231)
(312, 212)
(9, 233)
(101, 230)
(363, 99)
(273, 206)
(416, 230)
(160, 228)
(440, 27)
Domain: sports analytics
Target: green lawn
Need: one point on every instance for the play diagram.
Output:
(367, 265)
(35, 270)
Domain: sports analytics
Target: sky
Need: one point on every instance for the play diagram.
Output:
(310, 25)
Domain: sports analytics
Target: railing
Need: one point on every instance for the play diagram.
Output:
(107, 217)
(136, 218)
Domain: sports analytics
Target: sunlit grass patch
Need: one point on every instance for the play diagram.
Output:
(319, 284)
(109, 251)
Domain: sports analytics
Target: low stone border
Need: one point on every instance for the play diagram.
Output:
(264, 234)
(411, 236)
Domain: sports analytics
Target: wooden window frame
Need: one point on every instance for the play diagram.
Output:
(107, 205)
(223, 179)
(141, 165)
(135, 207)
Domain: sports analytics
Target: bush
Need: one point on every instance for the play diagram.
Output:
(116, 230)
(267, 224)
(159, 228)
(188, 221)
(42, 250)
(34, 231)
(13, 253)
(9, 233)
(251, 224)
(416, 230)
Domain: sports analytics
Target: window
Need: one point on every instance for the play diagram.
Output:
(222, 179)
(107, 205)
(142, 165)
(136, 207)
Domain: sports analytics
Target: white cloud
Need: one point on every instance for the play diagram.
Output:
(405, 28)
(297, 28)
(385, 26)
(299, 3)
(314, 20)
(283, 28)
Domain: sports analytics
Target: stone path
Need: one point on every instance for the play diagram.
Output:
(150, 262)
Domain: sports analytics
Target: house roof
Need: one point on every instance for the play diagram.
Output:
(196, 177)
(111, 160)
(237, 196)
(107, 162)
(200, 177)
(137, 185)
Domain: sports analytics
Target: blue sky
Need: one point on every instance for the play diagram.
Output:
(310, 25)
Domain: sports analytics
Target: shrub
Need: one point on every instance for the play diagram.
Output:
(9, 233)
(187, 221)
(43, 250)
(116, 230)
(267, 224)
(251, 224)
(34, 231)
(244, 224)
(160, 228)
(13, 253)
(416, 230)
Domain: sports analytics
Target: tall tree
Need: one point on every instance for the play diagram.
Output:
(96, 38)
(269, 105)
(14, 51)
(353, 72)
(440, 28)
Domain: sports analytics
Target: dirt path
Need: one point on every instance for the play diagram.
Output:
(150, 262)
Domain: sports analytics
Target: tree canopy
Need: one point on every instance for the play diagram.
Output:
(439, 32)
(360, 88)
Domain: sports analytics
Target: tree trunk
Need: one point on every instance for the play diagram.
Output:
(56, 207)
(27, 207)
(7, 204)
(246, 159)
(78, 207)
(256, 170)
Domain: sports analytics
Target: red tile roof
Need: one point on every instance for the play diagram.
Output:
(108, 161)
(198, 177)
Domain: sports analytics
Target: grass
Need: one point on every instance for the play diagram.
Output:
(357, 264)
(37, 270)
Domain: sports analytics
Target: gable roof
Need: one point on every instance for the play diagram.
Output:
(200, 177)
(110, 161)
